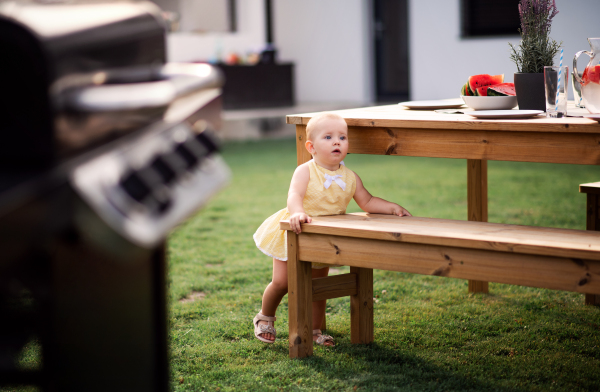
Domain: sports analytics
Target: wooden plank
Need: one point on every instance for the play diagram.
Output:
(333, 287)
(576, 148)
(302, 154)
(393, 116)
(592, 212)
(591, 299)
(477, 205)
(477, 190)
(558, 273)
(477, 235)
(361, 307)
(591, 187)
(592, 223)
(299, 301)
(478, 286)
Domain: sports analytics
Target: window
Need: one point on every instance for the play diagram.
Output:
(484, 18)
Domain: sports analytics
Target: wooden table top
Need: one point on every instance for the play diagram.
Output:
(396, 116)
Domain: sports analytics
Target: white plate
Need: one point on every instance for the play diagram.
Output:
(593, 117)
(490, 103)
(439, 104)
(503, 113)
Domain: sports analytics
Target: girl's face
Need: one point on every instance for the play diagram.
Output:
(330, 144)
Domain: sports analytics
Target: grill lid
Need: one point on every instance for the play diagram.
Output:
(51, 49)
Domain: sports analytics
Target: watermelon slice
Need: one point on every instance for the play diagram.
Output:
(596, 78)
(481, 91)
(591, 74)
(470, 92)
(482, 80)
(503, 89)
(465, 89)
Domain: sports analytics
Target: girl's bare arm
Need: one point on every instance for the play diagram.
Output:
(295, 199)
(376, 205)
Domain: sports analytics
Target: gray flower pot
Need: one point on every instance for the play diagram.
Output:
(529, 88)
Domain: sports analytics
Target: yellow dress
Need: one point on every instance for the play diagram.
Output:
(328, 193)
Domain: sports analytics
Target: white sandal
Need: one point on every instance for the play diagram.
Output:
(322, 338)
(261, 328)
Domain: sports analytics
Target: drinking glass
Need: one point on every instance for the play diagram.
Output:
(555, 82)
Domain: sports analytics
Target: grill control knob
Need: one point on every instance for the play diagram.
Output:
(143, 185)
(163, 169)
(197, 148)
(208, 140)
(135, 187)
(188, 156)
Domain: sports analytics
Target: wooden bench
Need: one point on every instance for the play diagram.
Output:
(559, 259)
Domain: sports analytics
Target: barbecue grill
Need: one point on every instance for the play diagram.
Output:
(105, 149)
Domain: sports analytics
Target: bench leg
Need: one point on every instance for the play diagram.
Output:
(592, 223)
(361, 307)
(592, 299)
(299, 301)
(478, 286)
(477, 205)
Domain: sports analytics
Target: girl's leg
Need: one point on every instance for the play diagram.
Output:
(274, 293)
(318, 307)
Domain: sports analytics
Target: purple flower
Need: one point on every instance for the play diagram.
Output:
(536, 49)
(536, 16)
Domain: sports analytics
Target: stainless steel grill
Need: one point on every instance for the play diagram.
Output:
(106, 148)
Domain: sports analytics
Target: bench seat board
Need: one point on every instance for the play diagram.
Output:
(542, 241)
(591, 187)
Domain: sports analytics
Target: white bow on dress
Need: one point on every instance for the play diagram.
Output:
(337, 178)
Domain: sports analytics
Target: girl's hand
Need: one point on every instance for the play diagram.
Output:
(400, 211)
(298, 218)
(376, 205)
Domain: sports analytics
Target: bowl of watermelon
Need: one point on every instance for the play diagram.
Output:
(488, 92)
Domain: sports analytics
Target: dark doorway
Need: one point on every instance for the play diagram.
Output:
(391, 50)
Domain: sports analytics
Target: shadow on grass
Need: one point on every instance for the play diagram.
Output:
(377, 367)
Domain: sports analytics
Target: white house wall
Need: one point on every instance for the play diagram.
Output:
(250, 36)
(329, 41)
(325, 39)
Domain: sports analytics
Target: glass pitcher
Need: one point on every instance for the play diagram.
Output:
(590, 81)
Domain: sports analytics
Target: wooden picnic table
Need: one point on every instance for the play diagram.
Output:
(394, 130)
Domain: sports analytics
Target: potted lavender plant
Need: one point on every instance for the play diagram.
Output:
(535, 51)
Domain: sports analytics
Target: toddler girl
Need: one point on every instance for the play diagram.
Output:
(321, 186)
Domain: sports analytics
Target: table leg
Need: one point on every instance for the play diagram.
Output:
(299, 301)
(477, 204)
(302, 154)
(592, 223)
(361, 307)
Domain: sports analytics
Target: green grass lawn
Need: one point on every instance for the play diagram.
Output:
(430, 334)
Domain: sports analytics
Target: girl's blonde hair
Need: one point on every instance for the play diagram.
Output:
(312, 126)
